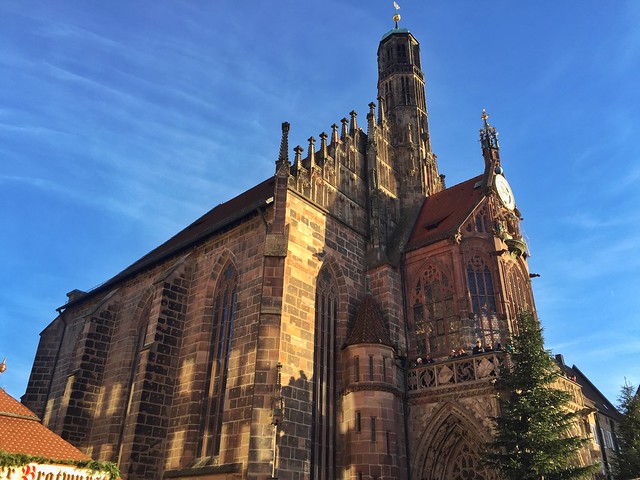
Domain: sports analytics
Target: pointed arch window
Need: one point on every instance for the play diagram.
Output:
(483, 300)
(437, 329)
(519, 291)
(323, 430)
(224, 303)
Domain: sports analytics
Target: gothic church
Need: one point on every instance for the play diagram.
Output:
(304, 330)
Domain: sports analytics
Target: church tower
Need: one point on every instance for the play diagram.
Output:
(401, 93)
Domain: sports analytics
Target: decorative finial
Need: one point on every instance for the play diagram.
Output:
(488, 134)
(283, 157)
(396, 17)
(354, 122)
(3, 365)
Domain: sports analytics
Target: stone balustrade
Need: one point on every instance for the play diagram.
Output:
(466, 370)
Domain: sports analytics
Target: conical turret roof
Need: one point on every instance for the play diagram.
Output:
(368, 326)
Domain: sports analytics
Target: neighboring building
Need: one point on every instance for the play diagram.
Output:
(49, 456)
(287, 332)
(603, 423)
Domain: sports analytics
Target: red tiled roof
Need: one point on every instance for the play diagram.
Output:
(368, 326)
(22, 432)
(444, 212)
(211, 222)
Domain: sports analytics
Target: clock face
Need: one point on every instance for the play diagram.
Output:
(504, 192)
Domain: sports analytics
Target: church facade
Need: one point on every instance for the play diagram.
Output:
(305, 329)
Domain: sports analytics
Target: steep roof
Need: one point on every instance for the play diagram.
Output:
(589, 389)
(22, 432)
(368, 325)
(442, 213)
(211, 222)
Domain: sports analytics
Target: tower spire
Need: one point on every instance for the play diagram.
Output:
(488, 134)
(490, 149)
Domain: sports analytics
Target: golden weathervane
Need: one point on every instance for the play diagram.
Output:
(396, 17)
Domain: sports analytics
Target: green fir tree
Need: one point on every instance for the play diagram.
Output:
(626, 465)
(533, 439)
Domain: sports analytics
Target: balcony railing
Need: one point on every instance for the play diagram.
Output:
(469, 369)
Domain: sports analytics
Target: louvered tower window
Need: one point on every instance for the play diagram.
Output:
(323, 433)
(224, 302)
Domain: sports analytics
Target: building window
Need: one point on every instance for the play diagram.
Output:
(483, 301)
(384, 369)
(371, 368)
(519, 291)
(436, 328)
(373, 429)
(323, 431)
(358, 422)
(482, 221)
(608, 440)
(356, 368)
(224, 303)
(594, 432)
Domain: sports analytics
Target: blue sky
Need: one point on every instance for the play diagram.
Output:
(122, 122)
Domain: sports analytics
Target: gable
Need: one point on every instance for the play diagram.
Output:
(444, 212)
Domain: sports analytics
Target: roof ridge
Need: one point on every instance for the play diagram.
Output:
(19, 415)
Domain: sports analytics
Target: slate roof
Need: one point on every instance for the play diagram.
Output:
(442, 213)
(211, 222)
(368, 325)
(22, 432)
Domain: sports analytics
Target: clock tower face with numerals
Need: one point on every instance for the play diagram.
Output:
(504, 192)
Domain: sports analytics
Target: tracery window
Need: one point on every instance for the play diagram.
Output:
(224, 303)
(467, 465)
(437, 330)
(483, 300)
(323, 431)
(482, 221)
(519, 290)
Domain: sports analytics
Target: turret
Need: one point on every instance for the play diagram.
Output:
(372, 418)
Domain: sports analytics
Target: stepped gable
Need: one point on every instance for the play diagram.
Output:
(210, 223)
(442, 213)
(21, 432)
(368, 326)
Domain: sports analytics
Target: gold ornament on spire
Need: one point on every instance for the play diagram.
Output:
(396, 17)
(3, 365)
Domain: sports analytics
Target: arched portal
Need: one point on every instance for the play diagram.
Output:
(450, 448)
